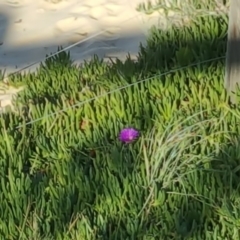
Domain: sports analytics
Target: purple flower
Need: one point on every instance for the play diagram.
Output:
(128, 135)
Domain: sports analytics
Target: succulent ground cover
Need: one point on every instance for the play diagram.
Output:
(66, 174)
(188, 8)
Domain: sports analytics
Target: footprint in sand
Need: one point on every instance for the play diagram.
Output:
(17, 3)
(52, 5)
(97, 16)
(81, 26)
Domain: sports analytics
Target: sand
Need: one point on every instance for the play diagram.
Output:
(31, 29)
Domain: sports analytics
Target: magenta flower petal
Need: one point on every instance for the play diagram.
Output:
(128, 135)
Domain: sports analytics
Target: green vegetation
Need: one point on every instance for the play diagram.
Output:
(185, 8)
(67, 176)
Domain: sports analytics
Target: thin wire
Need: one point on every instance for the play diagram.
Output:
(118, 89)
(102, 95)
